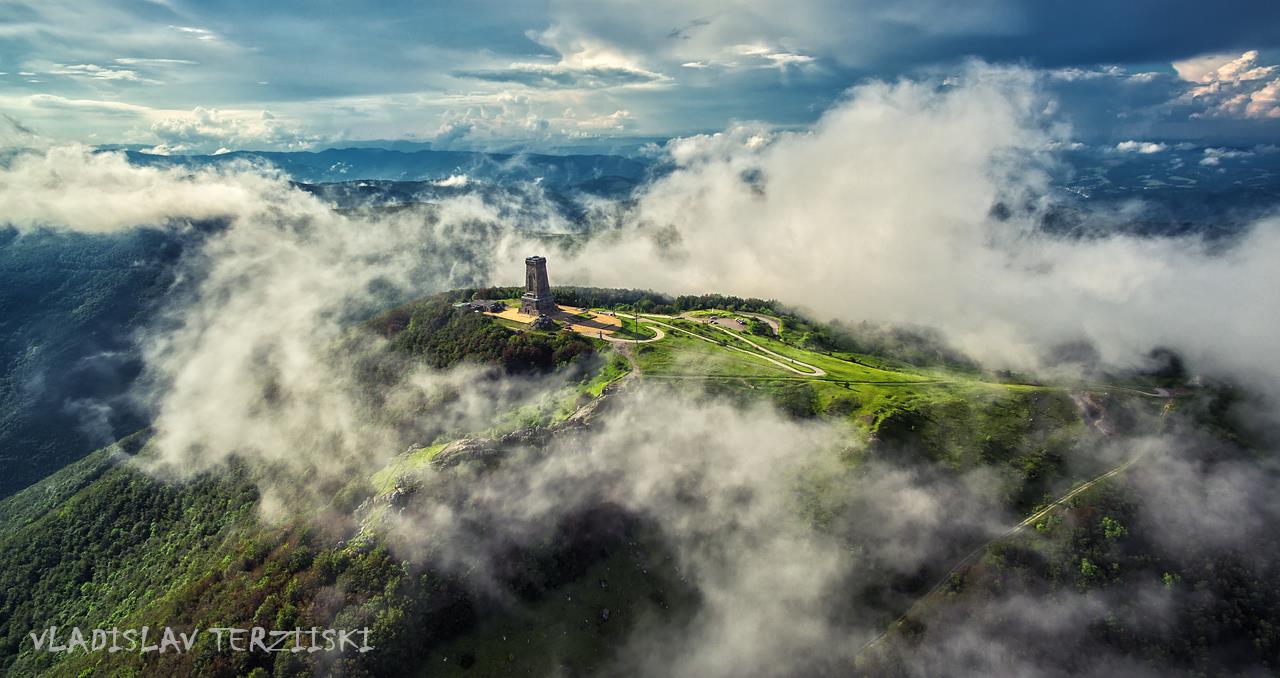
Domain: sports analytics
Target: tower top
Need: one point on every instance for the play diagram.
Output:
(537, 299)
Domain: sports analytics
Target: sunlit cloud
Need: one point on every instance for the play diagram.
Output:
(1232, 86)
(197, 33)
(1144, 147)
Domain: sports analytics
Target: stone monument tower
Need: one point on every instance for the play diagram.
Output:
(537, 297)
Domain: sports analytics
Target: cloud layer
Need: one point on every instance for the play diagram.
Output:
(886, 210)
(678, 67)
(914, 202)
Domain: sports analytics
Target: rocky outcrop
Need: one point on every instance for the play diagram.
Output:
(489, 450)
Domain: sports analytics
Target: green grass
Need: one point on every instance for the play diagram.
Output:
(548, 409)
(681, 355)
(953, 418)
(712, 333)
(630, 330)
(616, 367)
(713, 313)
(553, 407)
(851, 368)
(384, 481)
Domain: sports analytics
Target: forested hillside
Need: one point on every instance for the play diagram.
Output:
(105, 543)
(69, 304)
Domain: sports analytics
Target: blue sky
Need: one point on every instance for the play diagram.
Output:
(187, 76)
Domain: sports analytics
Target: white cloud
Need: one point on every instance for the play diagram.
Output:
(852, 34)
(563, 75)
(140, 61)
(454, 181)
(521, 118)
(583, 64)
(201, 130)
(1264, 101)
(205, 129)
(198, 33)
(1213, 156)
(89, 105)
(784, 59)
(883, 212)
(615, 122)
(761, 55)
(73, 187)
(96, 72)
(1145, 147)
(1223, 68)
(1073, 74)
(1227, 86)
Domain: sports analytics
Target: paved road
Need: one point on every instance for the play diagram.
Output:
(768, 320)
(816, 371)
(658, 334)
(789, 365)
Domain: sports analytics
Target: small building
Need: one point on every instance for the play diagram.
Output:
(485, 306)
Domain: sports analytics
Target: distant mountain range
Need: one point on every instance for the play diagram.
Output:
(346, 164)
(1182, 189)
(626, 146)
(1176, 191)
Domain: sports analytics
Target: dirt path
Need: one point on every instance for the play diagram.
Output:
(1029, 520)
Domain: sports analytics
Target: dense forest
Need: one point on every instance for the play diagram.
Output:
(441, 335)
(1218, 607)
(70, 304)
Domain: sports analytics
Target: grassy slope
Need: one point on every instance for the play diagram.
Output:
(631, 330)
(200, 556)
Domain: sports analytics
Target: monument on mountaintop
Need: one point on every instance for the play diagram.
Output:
(537, 299)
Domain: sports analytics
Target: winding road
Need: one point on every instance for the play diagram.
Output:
(789, 365)
(658, 334)
(817, 371)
